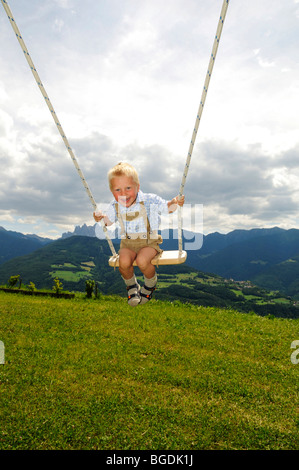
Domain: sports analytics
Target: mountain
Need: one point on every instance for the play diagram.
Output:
(217, 241)
(283, 276)
(266, 257)
(261, 256)
(73, 260)
(14, 244)
(84, 231)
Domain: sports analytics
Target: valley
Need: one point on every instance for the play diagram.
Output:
(271, 287)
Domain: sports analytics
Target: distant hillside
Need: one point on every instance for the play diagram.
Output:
(240, 254)
(74, 260)
(267, 257)
(283, 276)
(217, 241)
(256, 255)
(14, 244)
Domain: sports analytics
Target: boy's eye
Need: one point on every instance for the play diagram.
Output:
(128, 188)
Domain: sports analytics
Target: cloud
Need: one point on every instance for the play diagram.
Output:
(64, 3)
(242, 183)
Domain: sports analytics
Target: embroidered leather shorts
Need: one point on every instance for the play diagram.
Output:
(135, 244)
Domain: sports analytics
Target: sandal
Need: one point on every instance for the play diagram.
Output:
(133, 295)
(146, 293)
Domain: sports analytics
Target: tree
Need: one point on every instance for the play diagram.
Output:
(57, 287)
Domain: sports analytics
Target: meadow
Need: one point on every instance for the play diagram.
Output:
(96, 374)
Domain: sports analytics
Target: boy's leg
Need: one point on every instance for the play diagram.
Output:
(126, 259)
(143, 261)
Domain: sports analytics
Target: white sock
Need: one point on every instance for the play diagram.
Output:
(150, 282)
(130, 282)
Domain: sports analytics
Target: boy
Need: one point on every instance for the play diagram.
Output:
(139, 216)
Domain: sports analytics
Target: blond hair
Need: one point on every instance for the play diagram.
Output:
(123, 169)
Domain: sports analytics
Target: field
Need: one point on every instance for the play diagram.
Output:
(97, 374)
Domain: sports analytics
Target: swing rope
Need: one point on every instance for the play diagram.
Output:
(56, 120)
(199, 113)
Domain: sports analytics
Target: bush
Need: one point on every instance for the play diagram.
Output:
(57, 287)
(32, 286)
(13, 280)
(89, 286)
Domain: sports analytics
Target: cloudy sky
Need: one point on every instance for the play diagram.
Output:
(125, 78)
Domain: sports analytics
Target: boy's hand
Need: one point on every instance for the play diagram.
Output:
(98, 215)
(178, 200)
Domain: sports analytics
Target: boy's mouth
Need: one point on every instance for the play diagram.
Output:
(125, 201)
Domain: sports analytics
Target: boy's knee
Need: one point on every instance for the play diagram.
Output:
(125, 262)
(142, 262)
(126, 259)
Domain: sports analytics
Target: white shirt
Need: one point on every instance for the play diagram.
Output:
(154, 205)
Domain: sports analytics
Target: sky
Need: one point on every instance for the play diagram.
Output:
(125, 78)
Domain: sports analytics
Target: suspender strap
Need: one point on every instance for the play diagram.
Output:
(133, 216)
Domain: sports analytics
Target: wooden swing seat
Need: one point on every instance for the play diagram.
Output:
(167, 257)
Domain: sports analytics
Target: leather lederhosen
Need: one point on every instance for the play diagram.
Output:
(136, 241)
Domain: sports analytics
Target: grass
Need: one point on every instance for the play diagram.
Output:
(98, 374)
(70, 275)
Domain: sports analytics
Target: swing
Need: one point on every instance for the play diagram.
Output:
(166, 257)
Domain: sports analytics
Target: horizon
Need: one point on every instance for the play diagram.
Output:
(175, 229)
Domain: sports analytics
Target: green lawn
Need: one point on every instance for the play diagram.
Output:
(98, 374)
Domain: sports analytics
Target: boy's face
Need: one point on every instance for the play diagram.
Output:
(124, 189)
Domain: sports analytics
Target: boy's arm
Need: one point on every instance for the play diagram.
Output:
(173, 204)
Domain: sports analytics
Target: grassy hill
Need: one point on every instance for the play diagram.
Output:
(98, 374)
